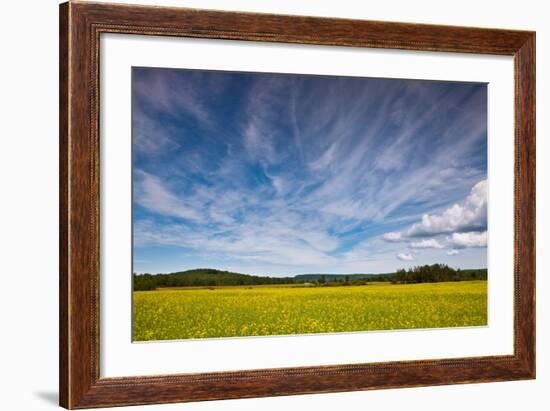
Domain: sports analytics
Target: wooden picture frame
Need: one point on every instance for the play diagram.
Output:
(80, 27)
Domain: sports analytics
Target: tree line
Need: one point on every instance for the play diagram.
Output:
(205, 277)
(436, 273)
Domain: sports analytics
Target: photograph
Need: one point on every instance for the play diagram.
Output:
(271, 204)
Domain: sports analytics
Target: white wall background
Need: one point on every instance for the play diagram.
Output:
(28, 205)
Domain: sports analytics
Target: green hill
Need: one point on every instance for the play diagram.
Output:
(202, 277)
(208, 277)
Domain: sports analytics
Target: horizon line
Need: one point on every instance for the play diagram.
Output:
(295, 275)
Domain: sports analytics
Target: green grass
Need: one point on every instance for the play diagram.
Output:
(231, 312)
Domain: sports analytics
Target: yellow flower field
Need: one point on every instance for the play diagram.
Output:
(233, 312)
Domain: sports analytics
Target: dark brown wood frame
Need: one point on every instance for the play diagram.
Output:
(80, 27)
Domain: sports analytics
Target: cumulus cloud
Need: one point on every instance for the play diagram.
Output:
(467, 216)
(392, 237)
(430, 243)
(453, 252)
(470, 215)
(470, 239)
(404, 256)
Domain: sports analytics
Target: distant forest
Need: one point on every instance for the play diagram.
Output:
(207, 277)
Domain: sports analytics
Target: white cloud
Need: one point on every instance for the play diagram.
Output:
(404, 256)
(471, 239)
(325, 159)
(257, 142)
(453, 252)
(469, 215)
(148, 136)
(430, 243)
(392, 237)
(172, 93)
(152, 194)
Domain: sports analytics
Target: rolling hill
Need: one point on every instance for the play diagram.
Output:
(208, 277)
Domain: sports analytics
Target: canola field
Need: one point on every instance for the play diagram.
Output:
(170, 314)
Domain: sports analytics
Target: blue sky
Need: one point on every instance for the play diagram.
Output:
(282, 174)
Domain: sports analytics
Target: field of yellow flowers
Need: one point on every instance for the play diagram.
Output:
(232, 312)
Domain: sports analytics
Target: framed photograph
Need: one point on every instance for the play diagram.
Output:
(258, 205)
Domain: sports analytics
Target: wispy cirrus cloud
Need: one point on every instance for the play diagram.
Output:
(171, 94)
(153, 195)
